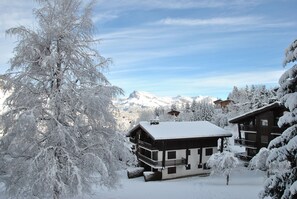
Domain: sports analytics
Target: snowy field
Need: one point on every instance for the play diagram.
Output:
(244, 184)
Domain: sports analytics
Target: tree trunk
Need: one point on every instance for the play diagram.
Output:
(227, 183)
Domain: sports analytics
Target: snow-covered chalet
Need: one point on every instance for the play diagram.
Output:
(176, 149)
(257, 128)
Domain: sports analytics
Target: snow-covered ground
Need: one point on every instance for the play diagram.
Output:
(244, 184)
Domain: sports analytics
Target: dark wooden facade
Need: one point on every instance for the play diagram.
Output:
(257, 128)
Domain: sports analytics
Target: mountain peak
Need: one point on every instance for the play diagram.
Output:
(140, 94)
(141, 99)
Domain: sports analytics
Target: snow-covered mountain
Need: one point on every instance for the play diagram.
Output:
(145, 100)
(138, 102)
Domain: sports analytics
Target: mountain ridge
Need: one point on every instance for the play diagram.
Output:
(142, 99)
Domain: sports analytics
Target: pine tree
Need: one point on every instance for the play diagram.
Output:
(58, 130)
(202, 110)
(283, 183)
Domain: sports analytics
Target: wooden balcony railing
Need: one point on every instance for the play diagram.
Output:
(248, 128)
(159, 163)
(146, 145)
(244, 142)
(133, 140)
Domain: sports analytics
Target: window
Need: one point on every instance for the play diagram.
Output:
(188, 152)
(264, 122)
(171, 170)
(188, 167)
(276, 119)
(171, 154)
(208, 152)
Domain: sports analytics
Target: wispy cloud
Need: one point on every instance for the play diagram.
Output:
(104, 17)
(173, 4)
(244, 21)
(14, 13)
(232, 21)
(212, 84)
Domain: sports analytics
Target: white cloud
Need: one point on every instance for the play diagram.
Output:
(211, 84)
(126, 5)
(234, 21)
(229, 80)
(248, 22)
(103, 17)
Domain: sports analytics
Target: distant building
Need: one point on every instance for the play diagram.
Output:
(174, 113)
(258, 127)
(176, 149)
(222, 103)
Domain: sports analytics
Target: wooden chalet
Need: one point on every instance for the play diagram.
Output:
(257, 128)
(173, 113)
(222, 103)
(176, 149)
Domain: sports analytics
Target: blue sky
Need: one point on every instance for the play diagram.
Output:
(182, 47)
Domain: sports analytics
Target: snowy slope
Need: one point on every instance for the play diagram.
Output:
(140, 99)
(129, 109)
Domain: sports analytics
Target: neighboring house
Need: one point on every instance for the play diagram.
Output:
(257, 128)
(222, 104)
(173, 113)
(176, 149)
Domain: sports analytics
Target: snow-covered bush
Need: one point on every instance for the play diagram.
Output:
(282, 183)
(223, 163)
(259, 160)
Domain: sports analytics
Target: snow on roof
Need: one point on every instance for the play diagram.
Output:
(182, 130)
(255, 112)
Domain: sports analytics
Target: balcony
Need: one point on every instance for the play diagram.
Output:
(175, 162)
(146, 145)
(244, 142)
(133, 140)
(248, 128)
(156, 163)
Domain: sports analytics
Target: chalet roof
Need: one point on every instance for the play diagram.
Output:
(181, 130)
(255, 112)
(217, 101)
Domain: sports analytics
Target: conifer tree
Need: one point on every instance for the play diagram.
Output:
(283, 183)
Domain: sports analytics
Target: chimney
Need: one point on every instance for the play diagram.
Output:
(154, 121)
